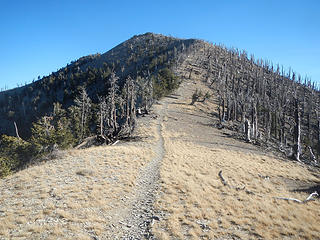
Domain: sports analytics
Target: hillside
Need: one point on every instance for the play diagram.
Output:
(141, 56)
(189, 140)
(166, 185)
(280, 109)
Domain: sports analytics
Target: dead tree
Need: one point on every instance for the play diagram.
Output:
(16, 128)
(145, 92)
(133, 105)
(254, 119)
(102, 114)
(297, 133)
(112, 101)
(247, 128)
(318, 132)
(130, 95)
(83, 103)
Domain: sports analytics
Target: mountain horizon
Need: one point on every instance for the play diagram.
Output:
(161, 138)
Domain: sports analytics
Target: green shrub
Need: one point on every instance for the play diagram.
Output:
(51, 131)
(5, 168)
(14, 153)
(196, 96)
(164, 83)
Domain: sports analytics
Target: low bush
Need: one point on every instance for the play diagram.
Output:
(14, 153)
(164, 83)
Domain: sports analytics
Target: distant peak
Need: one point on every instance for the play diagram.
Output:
(149, 35)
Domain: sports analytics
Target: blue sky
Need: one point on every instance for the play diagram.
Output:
(39, 37)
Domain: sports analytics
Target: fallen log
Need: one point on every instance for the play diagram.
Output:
(87, 142)
(309, 198)
(115, 143)
(222, 179)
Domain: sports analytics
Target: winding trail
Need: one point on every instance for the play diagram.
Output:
(166, 186)
(140, 216)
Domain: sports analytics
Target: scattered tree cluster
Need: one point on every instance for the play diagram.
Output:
(145, 58)
(111, 117)
(265, 102)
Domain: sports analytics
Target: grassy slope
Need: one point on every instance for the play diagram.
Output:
(196, 203)
(76, 196)
(84, 193)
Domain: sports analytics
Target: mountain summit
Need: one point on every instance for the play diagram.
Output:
(141, 56)
(194, 141)
(271, 105)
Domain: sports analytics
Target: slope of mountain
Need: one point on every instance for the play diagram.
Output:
(142, 55)
(166, 185)
(279, 109)
(183, 175)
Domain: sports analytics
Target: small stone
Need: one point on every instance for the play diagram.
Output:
(156, 218)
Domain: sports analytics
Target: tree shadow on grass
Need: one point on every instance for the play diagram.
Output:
(310, 189)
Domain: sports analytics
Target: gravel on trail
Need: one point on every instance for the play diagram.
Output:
(140, 214)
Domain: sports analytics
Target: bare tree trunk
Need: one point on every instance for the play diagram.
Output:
(235, 117)
(82, 115)
(101, 124)
(128, 103)
(282, 129)
(247, 127)
(132, 106)
(17, 132)
(318, 133)
(228, 108)
(220, 113)
(313, 157)
(223, 110)
(297, 133)
(83, 103)
(102, 115)
(112, 98)
(254, 120)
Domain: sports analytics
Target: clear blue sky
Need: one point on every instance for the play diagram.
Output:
(39, 37)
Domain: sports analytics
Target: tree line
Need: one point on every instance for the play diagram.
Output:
(266, 103)
(111, 117)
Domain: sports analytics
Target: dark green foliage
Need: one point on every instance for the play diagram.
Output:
(142, 56)
(62, 109)
(196, 96)
(206, 96)
(164, 83)
(5, 168)
(14, 153)
(51, 131)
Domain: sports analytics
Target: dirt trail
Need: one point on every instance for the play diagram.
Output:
(140, 215)
(164, 186)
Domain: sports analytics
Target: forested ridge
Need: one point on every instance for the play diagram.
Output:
(99, 96)
(262, 102)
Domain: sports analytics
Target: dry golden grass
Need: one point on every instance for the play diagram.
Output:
(193, 194)
(74, 197)
(199, 206)
(86, 191)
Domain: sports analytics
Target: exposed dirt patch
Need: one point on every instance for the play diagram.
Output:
(140, 214)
